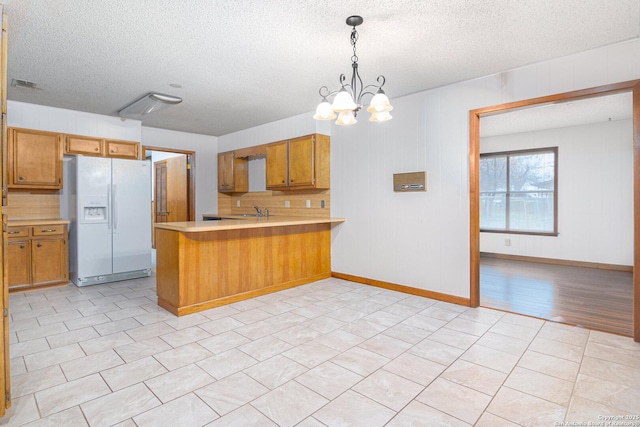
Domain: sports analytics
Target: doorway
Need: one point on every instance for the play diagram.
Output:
(172, 197)
(474, 173)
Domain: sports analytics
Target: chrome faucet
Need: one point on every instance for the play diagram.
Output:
(258, 210)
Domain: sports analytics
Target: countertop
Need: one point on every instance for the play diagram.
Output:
(27, 222)
(236, 222)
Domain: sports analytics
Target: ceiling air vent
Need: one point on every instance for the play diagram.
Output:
(26, 84)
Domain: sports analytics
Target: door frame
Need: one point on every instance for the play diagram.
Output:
(632, 86)
(191, 174)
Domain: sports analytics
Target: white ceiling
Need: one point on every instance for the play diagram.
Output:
(243, 63)
(599, 109)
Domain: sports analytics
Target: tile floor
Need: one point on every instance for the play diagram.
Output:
(331, 353)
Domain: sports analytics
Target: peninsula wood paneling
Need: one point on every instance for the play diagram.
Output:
(197, 271)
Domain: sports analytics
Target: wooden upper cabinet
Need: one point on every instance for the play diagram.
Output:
(300, 163)
(91, 146)
(35, 159)
(233, 173)
(277, 165)
(84, 145)
(122, 149)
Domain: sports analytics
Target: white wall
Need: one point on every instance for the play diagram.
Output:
(32, 116)
(302, 124)
(422, 239)
(206, 163)
(595, 194)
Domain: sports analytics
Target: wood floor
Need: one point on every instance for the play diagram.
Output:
(594, 298)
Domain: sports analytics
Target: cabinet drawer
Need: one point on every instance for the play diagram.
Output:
(47, 230)
(18, 232)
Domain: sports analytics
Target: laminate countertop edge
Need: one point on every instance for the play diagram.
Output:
(41, 221)
(244, 223)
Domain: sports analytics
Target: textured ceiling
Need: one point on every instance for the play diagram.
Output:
(598, 109)
(245, 63)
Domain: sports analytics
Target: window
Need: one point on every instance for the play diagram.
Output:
(518, 191)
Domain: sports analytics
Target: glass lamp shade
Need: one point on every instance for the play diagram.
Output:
(324, 111)
(346, 119)
(380, 117)
(343, 102)
(379, 103)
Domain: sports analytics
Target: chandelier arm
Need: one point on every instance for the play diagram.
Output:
(366, 93)
(327, 93)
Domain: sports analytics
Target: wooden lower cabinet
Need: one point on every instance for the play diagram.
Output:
(19, 263)
(38, 258)
(48, 261)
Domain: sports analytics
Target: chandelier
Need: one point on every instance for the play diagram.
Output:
(348, 99)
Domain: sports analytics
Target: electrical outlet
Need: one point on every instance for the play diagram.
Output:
(308, 203)
(287, 204)
(507, 242)
(322, 204)
(238, 203)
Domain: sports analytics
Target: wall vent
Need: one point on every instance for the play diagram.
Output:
(26, 84)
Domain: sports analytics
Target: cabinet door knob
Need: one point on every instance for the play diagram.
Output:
(283, 181)
(96, 149)
(39, 245)
(21, 178)
(21, 246)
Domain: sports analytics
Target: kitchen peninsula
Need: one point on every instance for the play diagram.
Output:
(200, 265)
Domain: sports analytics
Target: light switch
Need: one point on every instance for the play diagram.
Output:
(238, 203)
(287, 204)
(308, 203)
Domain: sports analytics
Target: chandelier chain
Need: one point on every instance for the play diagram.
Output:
(354, 39)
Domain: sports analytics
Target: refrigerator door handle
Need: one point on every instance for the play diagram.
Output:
(108, 213)
(115, 207)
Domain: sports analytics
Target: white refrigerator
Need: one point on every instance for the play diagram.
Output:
(108, 204)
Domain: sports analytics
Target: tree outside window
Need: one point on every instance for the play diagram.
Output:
(518, 191)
